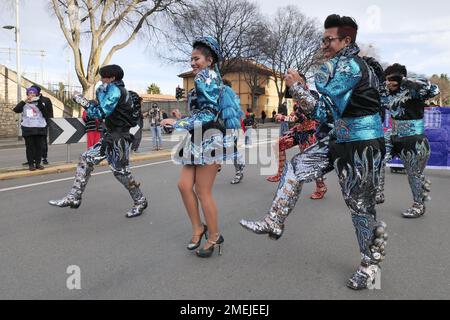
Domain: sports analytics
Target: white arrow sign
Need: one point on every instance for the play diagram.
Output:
(68, 132)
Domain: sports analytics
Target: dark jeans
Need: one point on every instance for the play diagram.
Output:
(34, 149)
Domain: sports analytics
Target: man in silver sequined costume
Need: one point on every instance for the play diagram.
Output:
(349, 89)
(404, 98)
(114, 105)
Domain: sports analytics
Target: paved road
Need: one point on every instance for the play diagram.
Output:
(145, 258)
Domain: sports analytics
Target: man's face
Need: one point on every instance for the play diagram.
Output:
(107, 80)
(392, 83)
(332, 43)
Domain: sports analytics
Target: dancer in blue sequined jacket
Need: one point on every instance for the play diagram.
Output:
(349, 92)
(404, 99)
(213, 109)
(114, 105)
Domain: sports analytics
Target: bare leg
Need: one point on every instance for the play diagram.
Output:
(204, 181)
(186, 187)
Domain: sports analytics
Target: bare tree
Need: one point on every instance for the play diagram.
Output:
(97, 21)
(443, 81)
(293, 41)
(235, 24)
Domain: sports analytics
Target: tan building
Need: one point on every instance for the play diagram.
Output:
(243, 77)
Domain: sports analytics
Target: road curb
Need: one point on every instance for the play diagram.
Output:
(22, 173)
(12, 146)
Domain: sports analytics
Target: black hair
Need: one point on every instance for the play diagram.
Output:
(303, 77)
(206, 51)
(227, 82)
(37, 88)
(347, 26)
(396, 69)
(112, 70)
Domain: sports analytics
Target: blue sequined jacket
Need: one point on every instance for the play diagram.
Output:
(408, 102)
(349, 92)
(113, 105)
(203, 101)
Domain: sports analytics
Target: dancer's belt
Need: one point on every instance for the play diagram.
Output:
(407, 128)
(358, 129)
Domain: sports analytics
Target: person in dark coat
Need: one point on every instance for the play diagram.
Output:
(35, 113)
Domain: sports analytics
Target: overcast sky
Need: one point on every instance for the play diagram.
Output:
(414, 33)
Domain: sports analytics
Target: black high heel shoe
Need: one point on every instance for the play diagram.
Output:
(194, 245)
(206, 253)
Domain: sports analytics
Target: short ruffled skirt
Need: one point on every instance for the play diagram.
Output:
(207, 148)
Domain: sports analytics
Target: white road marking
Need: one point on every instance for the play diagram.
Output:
(101, 172)
(71, 178)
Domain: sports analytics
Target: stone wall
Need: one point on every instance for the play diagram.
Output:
(8, 121)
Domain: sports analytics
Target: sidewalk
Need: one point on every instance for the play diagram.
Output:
(11, 143)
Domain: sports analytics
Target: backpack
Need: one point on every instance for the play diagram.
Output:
(230, 108)
(135, 107)
(249, 120)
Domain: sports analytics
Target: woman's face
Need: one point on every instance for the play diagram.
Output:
(31, 95)
(199, 61)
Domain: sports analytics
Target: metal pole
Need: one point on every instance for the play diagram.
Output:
(19, 75)
(68, 153)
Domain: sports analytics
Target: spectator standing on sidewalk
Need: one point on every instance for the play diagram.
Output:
(48, 104)
(263, 116)
(284, 127)
(155, 118)
(34, 126)
(250, 124)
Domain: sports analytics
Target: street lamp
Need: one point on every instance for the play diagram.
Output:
(19, 76)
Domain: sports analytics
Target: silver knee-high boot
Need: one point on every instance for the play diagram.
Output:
(239, 173)
(415, 163)
(358, 183)
(305, 167)
(372, 238)
(139, 201)
(285, 199)
(84, 169)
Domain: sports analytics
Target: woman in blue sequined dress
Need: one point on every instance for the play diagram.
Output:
(206, 145)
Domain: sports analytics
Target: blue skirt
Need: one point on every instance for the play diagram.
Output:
(210, 148)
